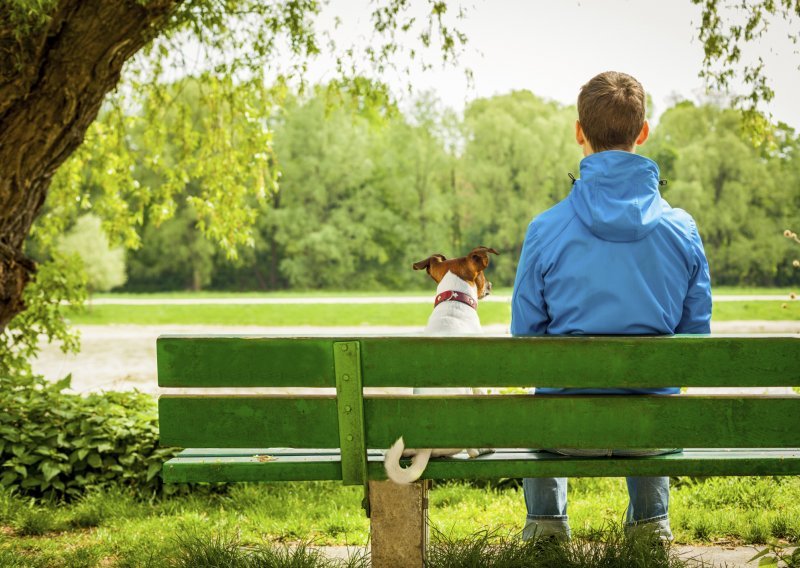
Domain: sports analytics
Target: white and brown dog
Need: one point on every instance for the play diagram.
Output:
(461, 284)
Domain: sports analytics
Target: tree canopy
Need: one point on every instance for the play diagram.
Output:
(366, 190)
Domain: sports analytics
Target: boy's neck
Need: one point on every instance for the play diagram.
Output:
(587, 149)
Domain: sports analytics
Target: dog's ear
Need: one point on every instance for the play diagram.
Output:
(426, 264)
(480, 256)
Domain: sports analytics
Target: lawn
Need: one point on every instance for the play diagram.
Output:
(114, 528)
(498, 291)
(356, 314)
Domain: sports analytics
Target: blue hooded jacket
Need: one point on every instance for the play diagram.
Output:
(613, 258)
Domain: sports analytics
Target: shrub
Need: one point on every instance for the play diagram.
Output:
(54, 444)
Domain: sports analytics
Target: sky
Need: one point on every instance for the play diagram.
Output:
(553, 47)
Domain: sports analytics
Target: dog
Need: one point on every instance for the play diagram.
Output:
(460, 284)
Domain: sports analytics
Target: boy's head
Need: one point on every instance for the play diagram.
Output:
(611, 113)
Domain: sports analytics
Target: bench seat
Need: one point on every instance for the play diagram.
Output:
(252, 464)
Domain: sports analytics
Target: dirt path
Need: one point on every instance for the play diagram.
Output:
(122, 357)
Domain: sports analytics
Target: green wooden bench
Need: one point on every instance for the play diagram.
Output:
(339, 435)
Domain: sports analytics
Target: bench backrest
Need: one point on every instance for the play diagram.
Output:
(345, 419)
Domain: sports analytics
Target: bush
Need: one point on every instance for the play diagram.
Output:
(55, 444)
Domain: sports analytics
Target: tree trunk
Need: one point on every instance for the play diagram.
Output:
(52, 82)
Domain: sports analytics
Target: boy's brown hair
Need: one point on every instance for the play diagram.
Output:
(611, 110)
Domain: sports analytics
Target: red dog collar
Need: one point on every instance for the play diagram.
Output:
(453, 296)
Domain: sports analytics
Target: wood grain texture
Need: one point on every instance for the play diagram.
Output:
(488, 421)
(245, 422)
(596, 362)
(244, 362)
(591, 362)
(584, 421)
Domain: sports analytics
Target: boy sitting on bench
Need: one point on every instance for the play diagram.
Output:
(613, 258)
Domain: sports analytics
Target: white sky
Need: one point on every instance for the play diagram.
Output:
(553, 47)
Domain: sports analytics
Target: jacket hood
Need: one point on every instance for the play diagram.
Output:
(617, 195)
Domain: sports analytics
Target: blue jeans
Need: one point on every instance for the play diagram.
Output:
(546, 500)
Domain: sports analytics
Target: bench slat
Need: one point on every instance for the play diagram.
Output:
(485, 421)
(237, 361)
(231, 465)
(245, 421)
(591, 362)
(255, 361)
(585, 421)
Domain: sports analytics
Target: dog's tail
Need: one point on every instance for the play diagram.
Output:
(391, 462)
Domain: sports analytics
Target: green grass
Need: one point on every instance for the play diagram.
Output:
(277, 315)
(770, 311)
(113, 528)
(753, 290)
(422, 291)
(607, 548)
(356, 315)
(280, 294)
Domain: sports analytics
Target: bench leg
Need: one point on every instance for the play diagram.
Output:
(399, 523)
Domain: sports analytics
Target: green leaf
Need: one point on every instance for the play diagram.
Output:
(95, 460)
(50, 470)
(8, 478)
(63, 384)
(761, 553)
(153, 470)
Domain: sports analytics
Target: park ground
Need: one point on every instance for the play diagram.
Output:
(724, 520)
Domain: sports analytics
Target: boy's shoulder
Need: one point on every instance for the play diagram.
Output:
(549, 224)
(679, 221)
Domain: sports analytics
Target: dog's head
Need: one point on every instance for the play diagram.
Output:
(469, 268)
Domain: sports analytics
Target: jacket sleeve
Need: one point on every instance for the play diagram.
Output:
(528, 309)
(696, 317)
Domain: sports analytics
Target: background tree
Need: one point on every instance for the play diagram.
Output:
(102, 264)
(519, 150)
(174, 256)
(741, 196)
(368, 188)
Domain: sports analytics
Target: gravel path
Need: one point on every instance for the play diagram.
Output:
(122, 357)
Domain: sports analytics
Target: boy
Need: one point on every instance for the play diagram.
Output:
(613, 258)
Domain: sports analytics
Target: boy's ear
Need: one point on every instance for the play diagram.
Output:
(643, 134)
(579, 136)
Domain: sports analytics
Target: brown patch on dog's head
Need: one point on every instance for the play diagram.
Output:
(469, 268)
